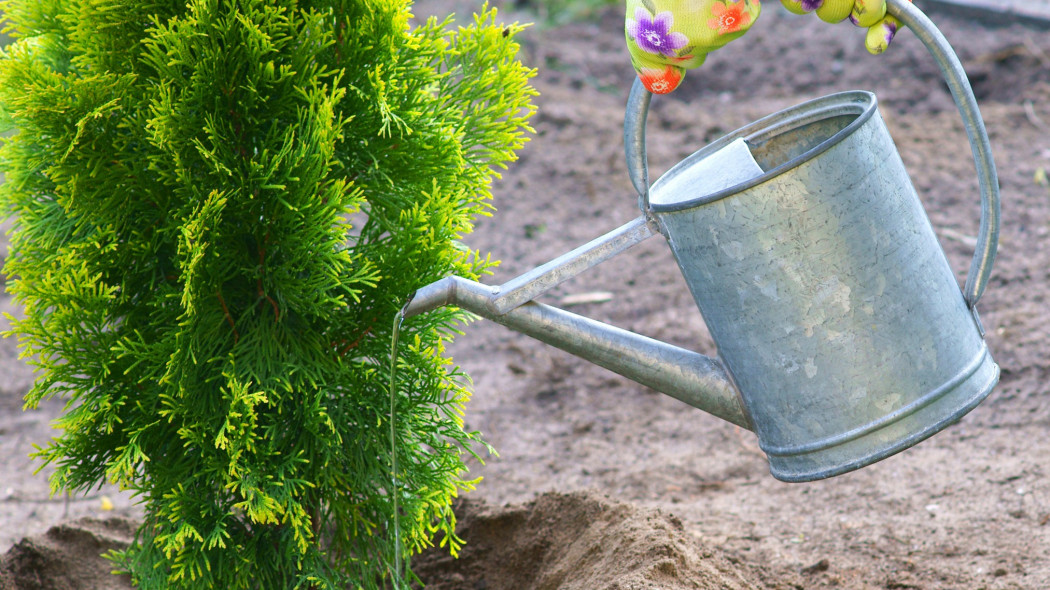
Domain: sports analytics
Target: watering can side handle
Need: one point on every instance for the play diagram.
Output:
(520, 290)
(987, 177)
(962, 93)
(541, 279)
(634, 142)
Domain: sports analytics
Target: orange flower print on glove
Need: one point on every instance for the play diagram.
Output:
(667, 37)
(729, 18)
(661, 81)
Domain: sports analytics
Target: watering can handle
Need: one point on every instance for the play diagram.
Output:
(962, 93)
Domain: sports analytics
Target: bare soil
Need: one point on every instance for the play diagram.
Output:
(604, 484)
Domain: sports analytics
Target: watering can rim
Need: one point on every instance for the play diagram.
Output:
(864, 105)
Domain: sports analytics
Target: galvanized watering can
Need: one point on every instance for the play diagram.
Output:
(842, 334)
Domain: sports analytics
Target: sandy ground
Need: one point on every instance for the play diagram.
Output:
(611, 485)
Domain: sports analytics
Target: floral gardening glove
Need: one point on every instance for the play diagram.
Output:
(667, 37)
(870, 14)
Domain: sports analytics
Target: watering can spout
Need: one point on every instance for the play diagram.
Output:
(693, 378)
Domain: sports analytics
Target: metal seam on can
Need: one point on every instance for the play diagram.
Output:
(888, 419)
(904, 443)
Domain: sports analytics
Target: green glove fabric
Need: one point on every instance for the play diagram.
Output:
(869, 14)
(667, 37)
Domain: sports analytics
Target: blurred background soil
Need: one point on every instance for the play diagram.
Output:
(601, 483)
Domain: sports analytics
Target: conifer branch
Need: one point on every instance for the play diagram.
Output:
(229, 318)
(169, 153)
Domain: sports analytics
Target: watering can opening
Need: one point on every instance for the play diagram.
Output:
(761, 151)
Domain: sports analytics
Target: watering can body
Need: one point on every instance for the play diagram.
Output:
(842, 334)
(822, 282)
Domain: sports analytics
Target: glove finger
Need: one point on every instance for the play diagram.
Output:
(658, 75)
(867, 13)
(661, 80)
(801, 6)
(835, 11)
(880, 34)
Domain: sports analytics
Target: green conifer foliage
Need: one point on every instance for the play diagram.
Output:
(221, 206)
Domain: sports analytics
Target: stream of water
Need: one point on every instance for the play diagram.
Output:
(394, 492)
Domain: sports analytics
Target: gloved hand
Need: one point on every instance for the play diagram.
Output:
(667, 37)
(870, 14)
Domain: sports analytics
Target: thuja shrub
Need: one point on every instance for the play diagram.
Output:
(221, 205)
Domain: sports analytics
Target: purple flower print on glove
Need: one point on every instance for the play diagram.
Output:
(653, 34)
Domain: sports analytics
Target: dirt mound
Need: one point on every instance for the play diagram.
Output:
(577, 541)
(581, 541)
(68, 557)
